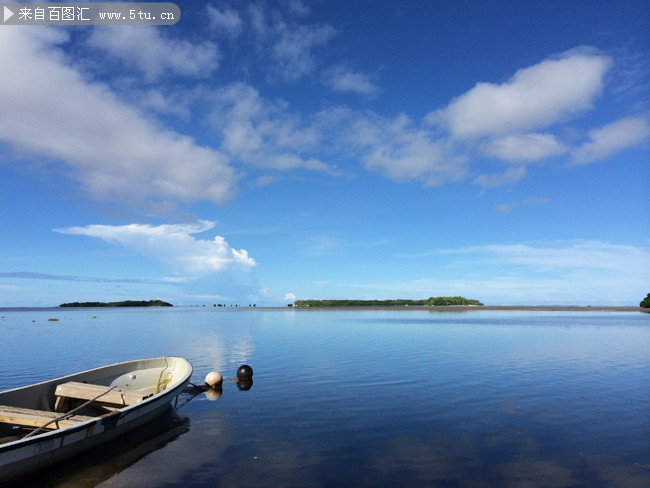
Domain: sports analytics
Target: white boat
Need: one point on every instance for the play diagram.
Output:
(47, 422)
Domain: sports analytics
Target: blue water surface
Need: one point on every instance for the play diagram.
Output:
(365, 397)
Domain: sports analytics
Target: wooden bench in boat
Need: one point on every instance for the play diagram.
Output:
(28, 417)
(85, 391)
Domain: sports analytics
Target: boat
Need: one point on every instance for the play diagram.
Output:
(47, 422)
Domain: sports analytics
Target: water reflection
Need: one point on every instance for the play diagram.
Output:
(245, 384)
(378, 398)
(103, 462)
(213, 394)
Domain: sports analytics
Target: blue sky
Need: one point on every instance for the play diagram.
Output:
(262, 152)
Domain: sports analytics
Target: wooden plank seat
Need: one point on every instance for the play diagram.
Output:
(28, 417)
(85, 391)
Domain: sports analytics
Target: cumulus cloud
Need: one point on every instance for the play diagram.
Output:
(50, 109)
(611, 139)
(534, 98)
(494, 120)
(290, 296)
(524, 147)
(172, 245)
(155, 55)
(118, 154)
(343, 79)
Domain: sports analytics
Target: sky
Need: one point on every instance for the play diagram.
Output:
(261, 152)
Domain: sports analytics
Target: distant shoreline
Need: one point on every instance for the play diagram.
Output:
(124, 303)
(453, 308)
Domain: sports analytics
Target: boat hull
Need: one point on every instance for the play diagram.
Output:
(27, 455)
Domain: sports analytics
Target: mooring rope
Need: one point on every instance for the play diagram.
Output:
(163, 381)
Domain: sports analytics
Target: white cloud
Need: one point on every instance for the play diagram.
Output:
(297, 7)
(536, 201)
(289, 45)
(535, 97)
(612, 138)
(343, 79)
(155, 100)
(49, 109)
(319, 282)
(172, 245)
(261, 133)
(175, 279)
(489, 120)
(118, 154)
(400, 150)
(580, 254)
(293, 48)
(504, 208)
(145, 49)
(86, 279)
(509, 177)
(258, 21)
(563, 272)
(266, 180)
(226, 21)
(264, 292)
(524, 147)
(290, 296)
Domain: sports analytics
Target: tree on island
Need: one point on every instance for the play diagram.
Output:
(645, 303)
(429, 302)
(126, 303)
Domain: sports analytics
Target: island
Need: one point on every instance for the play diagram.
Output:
(126, 303)
(645, 303)
(428, 302)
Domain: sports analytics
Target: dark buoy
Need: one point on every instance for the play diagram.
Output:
(244, 372)
(245, 385)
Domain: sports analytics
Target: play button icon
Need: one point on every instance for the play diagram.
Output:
(7, 14)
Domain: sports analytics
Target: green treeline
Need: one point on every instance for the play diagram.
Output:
(645, 303)
(126, 303)
(429, 302)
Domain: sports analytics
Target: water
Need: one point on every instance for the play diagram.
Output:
(364, 398)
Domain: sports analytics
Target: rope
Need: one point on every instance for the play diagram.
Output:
(163, 382)
(68, 414)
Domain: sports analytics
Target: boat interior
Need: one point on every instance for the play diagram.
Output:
(68, 401)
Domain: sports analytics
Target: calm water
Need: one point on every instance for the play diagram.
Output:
(364, 398)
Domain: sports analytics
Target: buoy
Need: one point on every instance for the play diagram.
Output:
(213, 394)
(245, 385)
(213, 379)
(245, 372)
